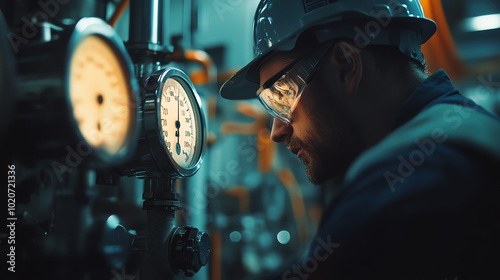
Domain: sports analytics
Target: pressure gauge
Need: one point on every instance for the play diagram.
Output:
(79, 97)
(174, 125)
(100, 95)
(177, 114)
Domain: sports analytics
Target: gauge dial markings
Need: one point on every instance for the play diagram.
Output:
(101, 95)
(180, 121)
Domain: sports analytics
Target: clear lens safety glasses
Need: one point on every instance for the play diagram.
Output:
(281, 93)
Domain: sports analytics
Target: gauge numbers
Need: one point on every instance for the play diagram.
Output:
(100, 95)
(178, 123)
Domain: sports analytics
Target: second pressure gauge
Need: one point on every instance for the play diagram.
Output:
(174, 125)
(78, 98)
(100, 95)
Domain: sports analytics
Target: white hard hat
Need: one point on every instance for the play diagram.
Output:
(279, 23)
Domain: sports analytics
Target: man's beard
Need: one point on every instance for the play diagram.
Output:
(320, 150)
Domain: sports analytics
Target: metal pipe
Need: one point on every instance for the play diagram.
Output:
(146, 22)
(170, 250)
(160, 225)
(146, 43)
(120, 9)
(186, 24)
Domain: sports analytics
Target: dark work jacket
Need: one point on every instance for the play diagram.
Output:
(421, 204)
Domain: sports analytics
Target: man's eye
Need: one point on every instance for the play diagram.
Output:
(282, 83)
(277, 92)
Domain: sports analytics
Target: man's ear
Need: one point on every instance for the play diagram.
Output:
(347, 58)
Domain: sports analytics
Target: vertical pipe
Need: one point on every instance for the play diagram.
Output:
(160, 224)
(146, 22)
(146, 42)
(198, 203)
(71, 219)
(186, 24)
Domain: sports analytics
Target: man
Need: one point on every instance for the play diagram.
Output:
(347, 85)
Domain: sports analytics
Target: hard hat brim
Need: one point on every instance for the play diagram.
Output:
(245, 83)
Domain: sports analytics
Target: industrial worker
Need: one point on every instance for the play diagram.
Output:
(347, 85)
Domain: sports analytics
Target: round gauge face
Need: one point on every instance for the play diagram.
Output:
(179, 122)
(101, 95)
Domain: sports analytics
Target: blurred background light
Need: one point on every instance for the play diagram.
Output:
(235, 236)
(482, 23)
(112, 221)
(283, 237)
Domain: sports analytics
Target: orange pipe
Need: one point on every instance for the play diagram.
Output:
(315, 212)
(266, 148)
(297, 200)
(440, 51)
(223, 77)
(216, 255)
(118, 12)
(243, 195)
(203, 77)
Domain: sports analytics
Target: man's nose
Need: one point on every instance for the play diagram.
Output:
(280, 130)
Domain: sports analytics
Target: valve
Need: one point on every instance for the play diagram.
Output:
(190, 249)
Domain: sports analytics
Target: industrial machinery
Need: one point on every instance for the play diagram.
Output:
(88, 120)
(171, 147)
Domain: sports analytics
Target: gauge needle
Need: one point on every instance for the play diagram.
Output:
(99, 131)
(178, 125)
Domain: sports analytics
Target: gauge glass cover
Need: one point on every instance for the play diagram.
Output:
(101, 96)
(179, 122)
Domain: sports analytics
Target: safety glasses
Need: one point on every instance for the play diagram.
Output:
(281, 93)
